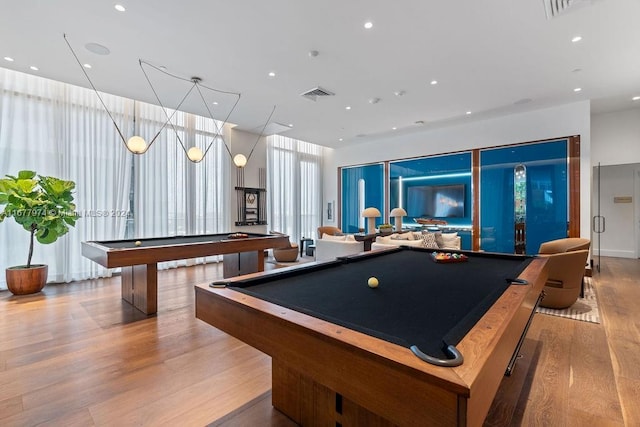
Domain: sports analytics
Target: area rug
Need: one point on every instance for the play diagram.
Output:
(585, 309)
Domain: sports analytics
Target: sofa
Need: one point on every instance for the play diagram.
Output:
(330, 247)
(420, 239)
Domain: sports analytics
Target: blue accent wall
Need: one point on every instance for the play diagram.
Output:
(373, 176)
(547, 197)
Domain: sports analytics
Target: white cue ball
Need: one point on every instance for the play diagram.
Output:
(372, 282)
(138, 243)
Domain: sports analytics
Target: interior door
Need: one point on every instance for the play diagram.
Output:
(598, 223)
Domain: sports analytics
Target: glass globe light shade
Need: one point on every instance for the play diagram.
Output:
(240, 160)
(136, 144)
(195, 154)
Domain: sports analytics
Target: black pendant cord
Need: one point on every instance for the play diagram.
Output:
(196, 84)
(164, 109)
(261, 133)
(218, 132)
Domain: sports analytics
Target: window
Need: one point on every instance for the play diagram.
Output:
(294, 175)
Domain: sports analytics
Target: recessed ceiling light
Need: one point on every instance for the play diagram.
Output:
(576, 39)
(636, 98)
(434, 82)
(368, 25)
(468, 112)
(34, 68)
(290, 125)
(215, 102)
(348, 107)
(86, 65)
(272, 74)
(120, 8)
(340, 139)
(399, 93)
(394, 128)
(578, 89)
(8, 58)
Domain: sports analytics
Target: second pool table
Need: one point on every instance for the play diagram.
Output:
(139, 263)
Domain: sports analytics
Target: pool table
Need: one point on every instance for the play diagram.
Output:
(428, 346)
(140, 268)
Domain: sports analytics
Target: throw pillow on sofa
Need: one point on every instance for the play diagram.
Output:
(429, 241)
(449, 241)
(402, 236)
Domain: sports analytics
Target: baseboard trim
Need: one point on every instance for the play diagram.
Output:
(615, 253)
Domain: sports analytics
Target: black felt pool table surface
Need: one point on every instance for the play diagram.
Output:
(418, 301)
(175, 240)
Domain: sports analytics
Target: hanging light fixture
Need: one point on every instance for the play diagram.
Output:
(138, 145)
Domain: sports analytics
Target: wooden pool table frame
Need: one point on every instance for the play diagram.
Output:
(139, 264)
(324, 373)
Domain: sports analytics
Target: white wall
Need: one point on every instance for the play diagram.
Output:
(615, 138)
(566, 120)
(615, 142)
(619, 238)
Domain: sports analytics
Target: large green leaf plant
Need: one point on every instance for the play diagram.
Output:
(42, 205)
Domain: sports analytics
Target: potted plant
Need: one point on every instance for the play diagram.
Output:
(43, 206)
(385, 228)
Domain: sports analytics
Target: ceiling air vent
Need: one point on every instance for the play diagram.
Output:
(316, 92)
(553, 8)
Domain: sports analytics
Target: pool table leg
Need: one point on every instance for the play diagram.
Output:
(237, 264)
(140, 287)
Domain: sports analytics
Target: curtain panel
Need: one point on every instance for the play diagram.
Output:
(64, 131)
(294, 180)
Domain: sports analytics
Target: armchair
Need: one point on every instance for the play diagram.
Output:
(568, 258)
(564, 245)
(328, 229)
(564, 284)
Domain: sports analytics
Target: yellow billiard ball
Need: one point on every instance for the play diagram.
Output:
(372, 282)
(138, 243)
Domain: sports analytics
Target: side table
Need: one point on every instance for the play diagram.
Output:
(303, 243)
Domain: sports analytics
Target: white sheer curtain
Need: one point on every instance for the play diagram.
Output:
(294, 175)
(63, 131)
(172, 195)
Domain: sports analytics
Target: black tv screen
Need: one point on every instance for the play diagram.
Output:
(435, 201)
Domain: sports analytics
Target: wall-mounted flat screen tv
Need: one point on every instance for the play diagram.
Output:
(435, 201)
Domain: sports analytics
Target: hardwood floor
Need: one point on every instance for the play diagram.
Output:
(76, 355)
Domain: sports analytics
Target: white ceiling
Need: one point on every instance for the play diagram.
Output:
(490, 57)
